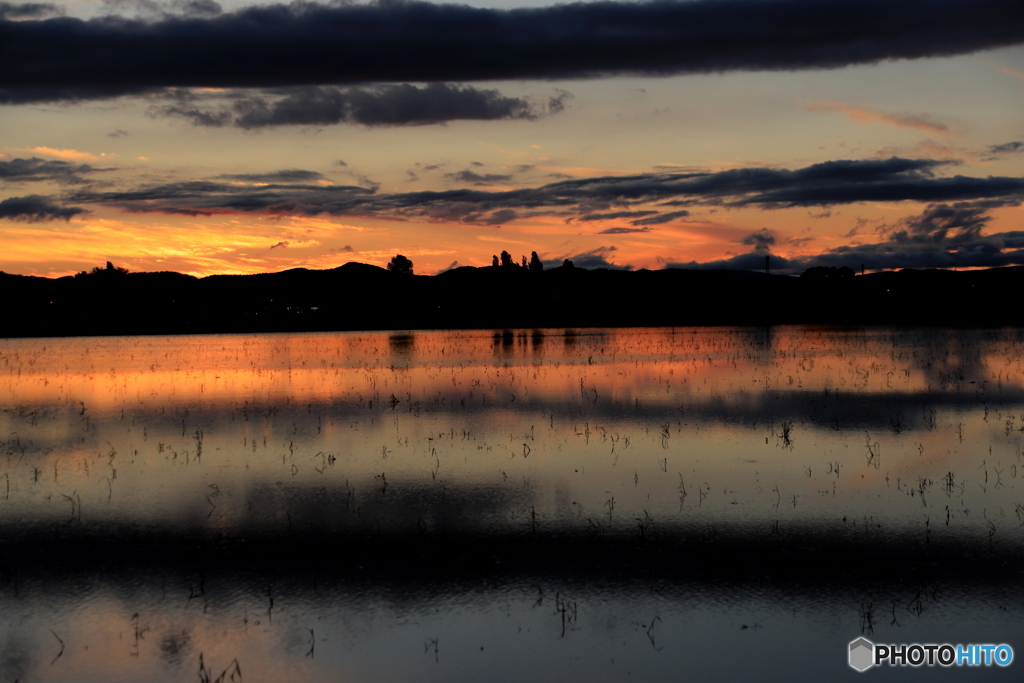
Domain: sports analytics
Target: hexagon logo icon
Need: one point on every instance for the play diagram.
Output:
(862, 654)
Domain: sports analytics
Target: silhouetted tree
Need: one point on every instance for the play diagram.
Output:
(522, 263)
(567, 264)
(401, 265)
(494, 261)
(535, 263)
(109, 270)
(506, 259)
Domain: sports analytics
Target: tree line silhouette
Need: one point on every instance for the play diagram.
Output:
(534, 264)
(403, 266)
(356, 296)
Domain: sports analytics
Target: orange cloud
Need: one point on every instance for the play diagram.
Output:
(69, 154)
(506, 240)
(919, 122)
(1003, 69)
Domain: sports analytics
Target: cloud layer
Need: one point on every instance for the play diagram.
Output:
(29, 10)
(823, 184)
(948, 232)
(382, 105)
(34, 208)
(941, 236)
(392, 42)
(36, 169)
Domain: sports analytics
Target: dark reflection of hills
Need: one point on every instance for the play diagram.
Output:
(803, 560)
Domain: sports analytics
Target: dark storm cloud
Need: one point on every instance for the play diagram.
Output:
(835, 182)
(832, 182)
(557, 102)
(990, 251)
(997, 151)
(750, 261)
(467, 176)
(383, 105)
(197, 8)
(941, 236)
(34, 208)
(29, 10)
(70, 93)
(614, 215)
(910, 189)
(499, 217)
(936, 223)
(157, 9)
(623, 231)
(310, 44)
(36, 169)
(595, 258)
(207, 118)
(292, 175)
(396, 105)
(195, 198)
(663, 218)
(761, 241)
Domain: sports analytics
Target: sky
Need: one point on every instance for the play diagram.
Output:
(212, 137)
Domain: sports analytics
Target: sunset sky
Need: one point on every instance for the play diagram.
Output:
(240, 137)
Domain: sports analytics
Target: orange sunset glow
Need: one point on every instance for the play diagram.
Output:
(891, 160)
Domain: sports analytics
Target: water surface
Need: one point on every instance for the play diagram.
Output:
(512, 504)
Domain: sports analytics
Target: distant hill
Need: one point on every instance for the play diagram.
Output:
(357, 296)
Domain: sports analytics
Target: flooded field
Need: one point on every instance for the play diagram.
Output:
(508, 505)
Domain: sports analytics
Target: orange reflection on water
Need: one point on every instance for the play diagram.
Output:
(620, 365)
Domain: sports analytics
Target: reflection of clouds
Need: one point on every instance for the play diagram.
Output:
(175, 646)
(440, 416)
(402, 345)
(18, 654)
(316, 488)
(392, 506)
(300, 385)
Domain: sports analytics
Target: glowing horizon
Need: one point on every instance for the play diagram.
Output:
(732, 153)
